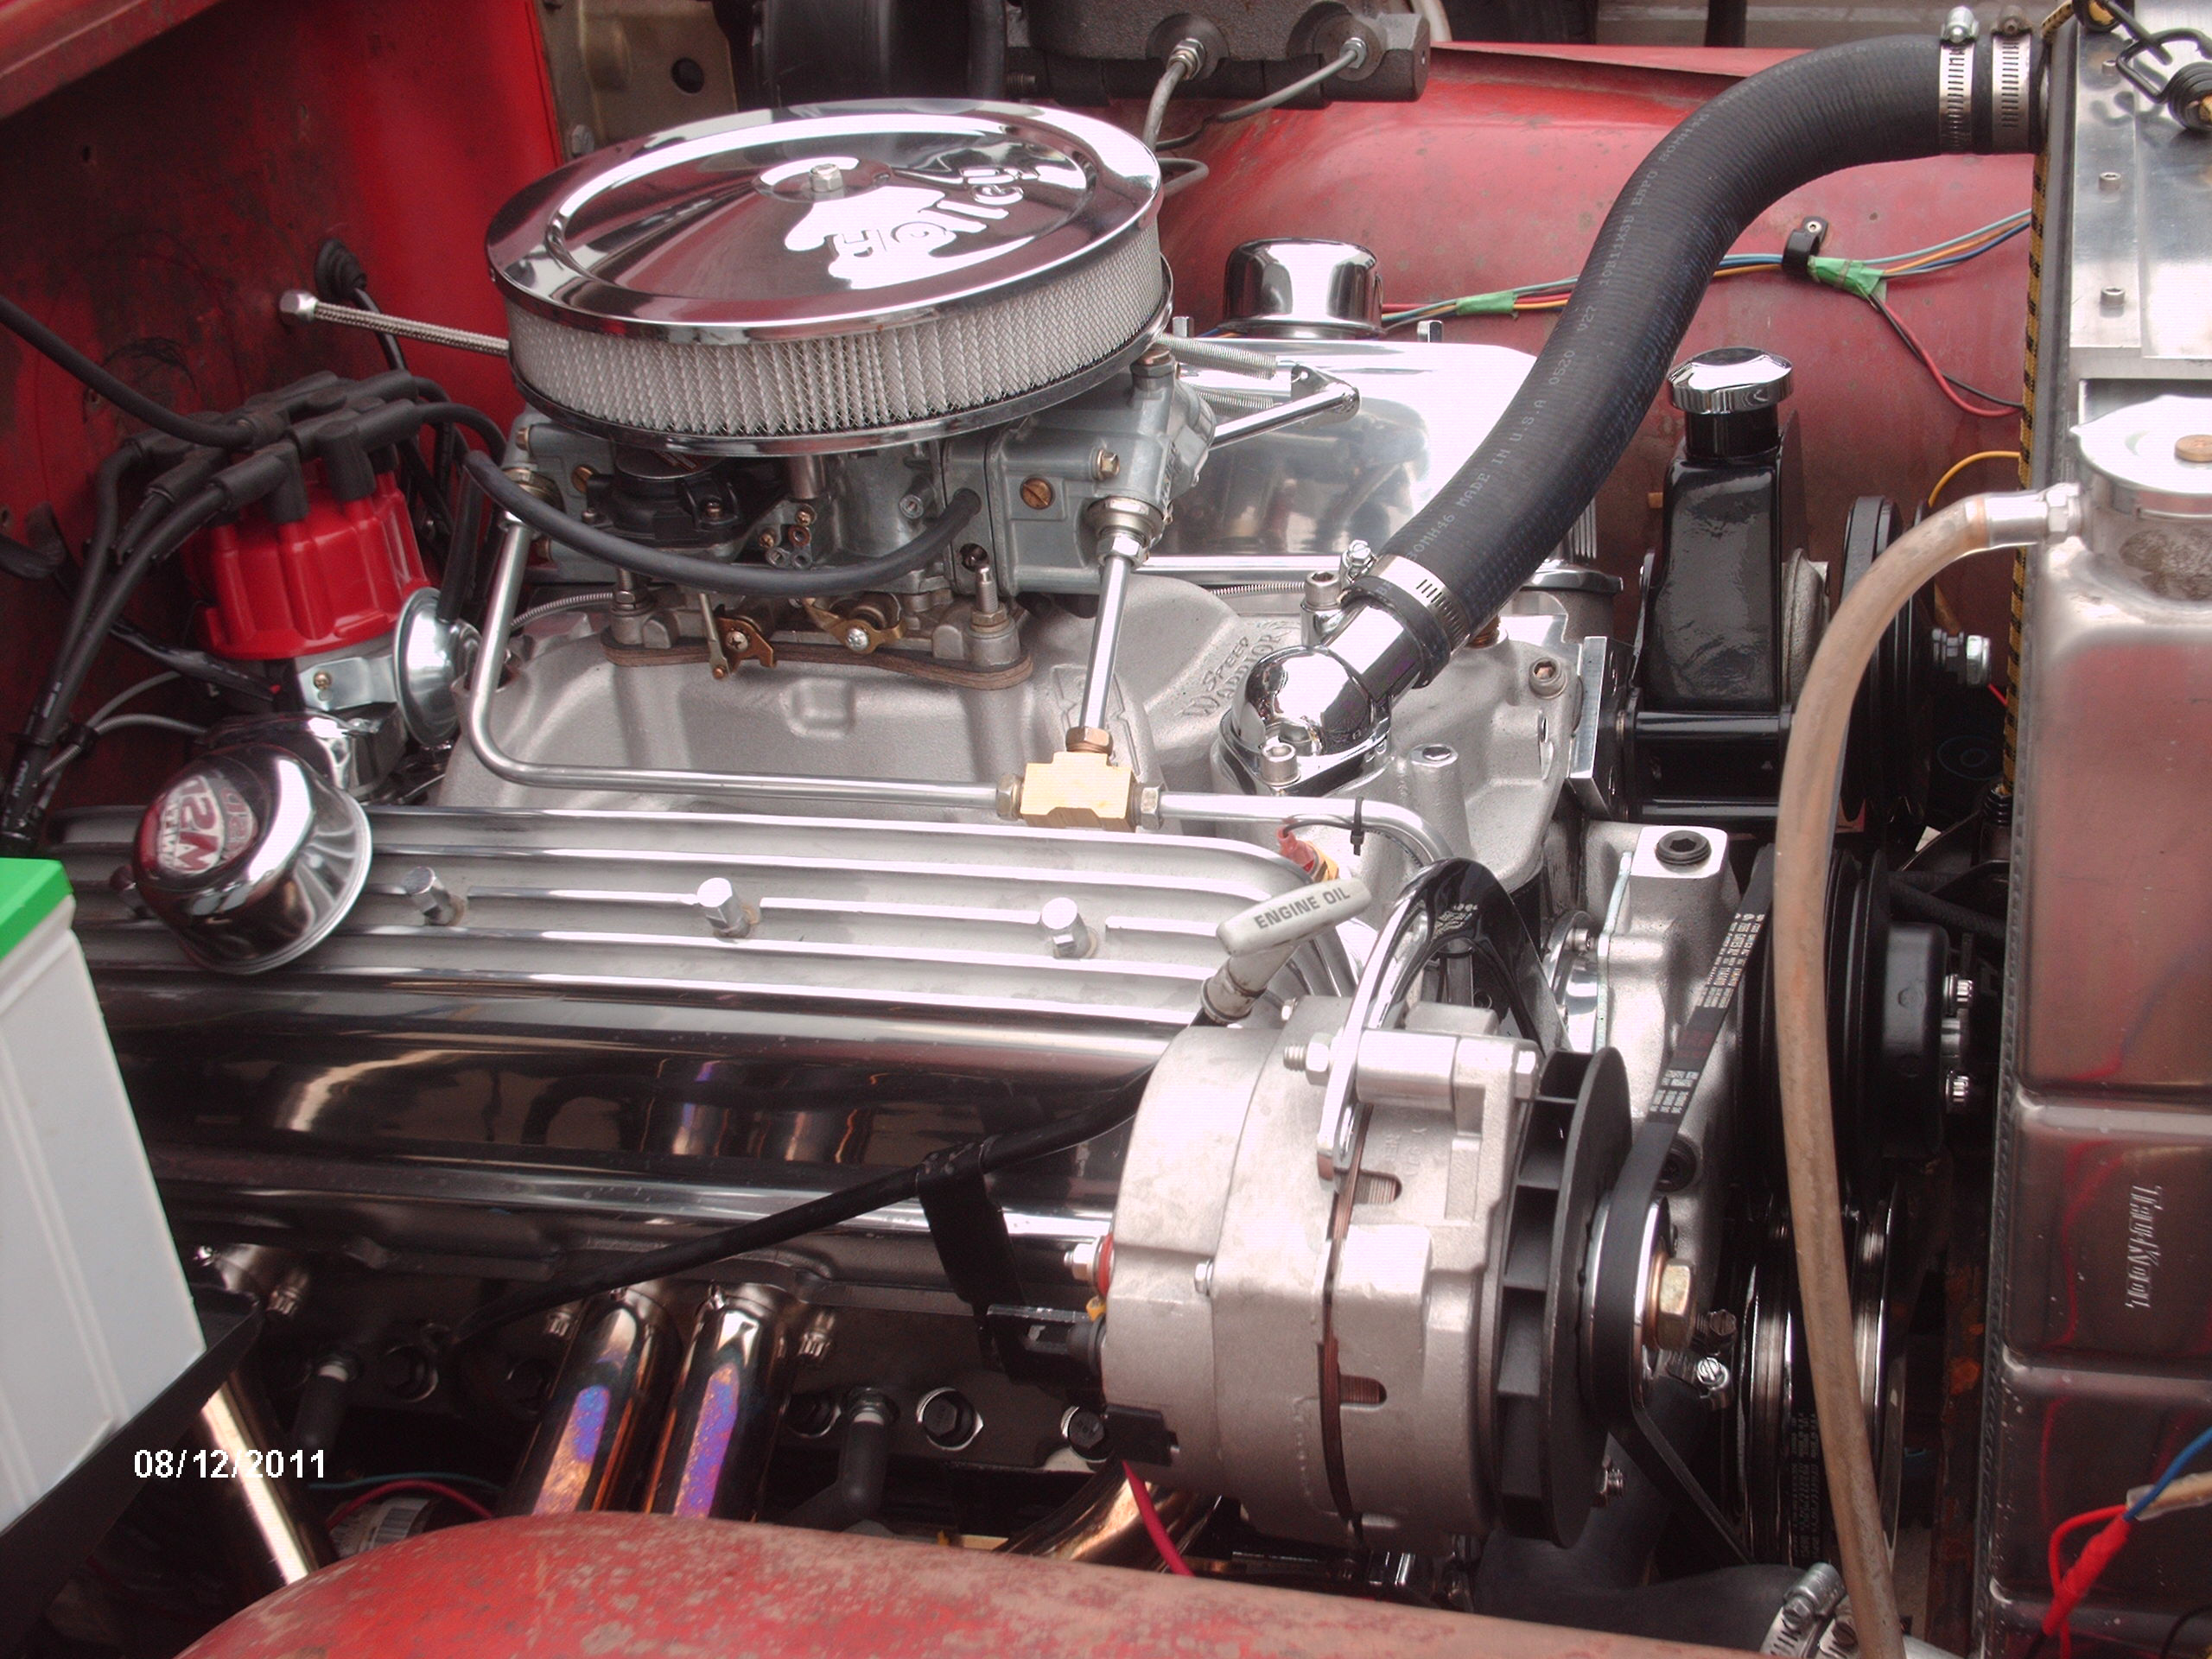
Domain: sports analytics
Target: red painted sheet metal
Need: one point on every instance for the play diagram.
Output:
(1502, 173)
(152, 210)
(45, 44)
(635, 1586)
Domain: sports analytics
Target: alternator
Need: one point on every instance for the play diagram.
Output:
(1349, 1250)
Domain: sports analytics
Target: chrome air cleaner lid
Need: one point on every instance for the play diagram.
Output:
(835, 277)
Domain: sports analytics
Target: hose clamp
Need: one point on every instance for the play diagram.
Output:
(2012, 80)
(1954, 93)
(1430, 612)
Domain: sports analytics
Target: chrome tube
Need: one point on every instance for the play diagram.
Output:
(1408, 828)
(1118, 554)
(723, 1423)
(499, 623)
(1313, 393)
(275, 1541)
(596, 1426)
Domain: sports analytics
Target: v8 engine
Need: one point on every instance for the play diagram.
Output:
(928, 901)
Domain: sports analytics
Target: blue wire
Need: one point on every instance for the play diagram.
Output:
(1894, 258)
(1960, 258)
(2174, 1471)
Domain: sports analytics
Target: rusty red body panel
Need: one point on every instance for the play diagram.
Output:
(636, 1587)
(154, 209)
(45, 44)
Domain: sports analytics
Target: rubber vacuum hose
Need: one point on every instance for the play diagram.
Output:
(1804, 829)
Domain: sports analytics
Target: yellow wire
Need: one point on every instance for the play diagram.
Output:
(1984, 454)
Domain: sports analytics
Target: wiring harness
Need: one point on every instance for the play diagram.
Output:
(1864, 279)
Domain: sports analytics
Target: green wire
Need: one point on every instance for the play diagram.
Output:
(1863, 277)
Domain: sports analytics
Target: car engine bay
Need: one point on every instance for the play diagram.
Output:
(864, 866)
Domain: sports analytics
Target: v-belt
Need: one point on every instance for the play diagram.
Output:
(1616, 1380)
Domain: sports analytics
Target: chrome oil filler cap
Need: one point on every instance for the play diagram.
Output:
(251, 858)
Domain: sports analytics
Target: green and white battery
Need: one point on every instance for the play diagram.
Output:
(95, 1319)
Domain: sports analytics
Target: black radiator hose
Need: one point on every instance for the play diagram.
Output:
(1502, 512)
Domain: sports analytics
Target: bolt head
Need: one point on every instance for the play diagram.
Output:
(322, 681)
(856, 639)
(2196, 447)
(1318, 1060)
(1546, 678)
(1084, 1430)
(948, 1419)
(1108, 465)
(1070, 935)
(1613, 1481)
(1672, 1318)
(1278, 763)
(1683, 850)
(910, 506)
(727, 915)
(1037, 494)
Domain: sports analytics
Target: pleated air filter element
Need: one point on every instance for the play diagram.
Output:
(778, 282)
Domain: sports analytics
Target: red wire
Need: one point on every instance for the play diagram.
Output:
(1153, 1525)
(1980, 411)
(2068, 1586)
(390, 1487)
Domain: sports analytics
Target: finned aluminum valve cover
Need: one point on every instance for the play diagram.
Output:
(863, 274)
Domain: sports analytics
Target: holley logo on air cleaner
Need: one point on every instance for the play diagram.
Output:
(900, 225)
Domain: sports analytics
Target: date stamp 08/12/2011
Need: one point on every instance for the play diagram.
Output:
(208, 1464)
